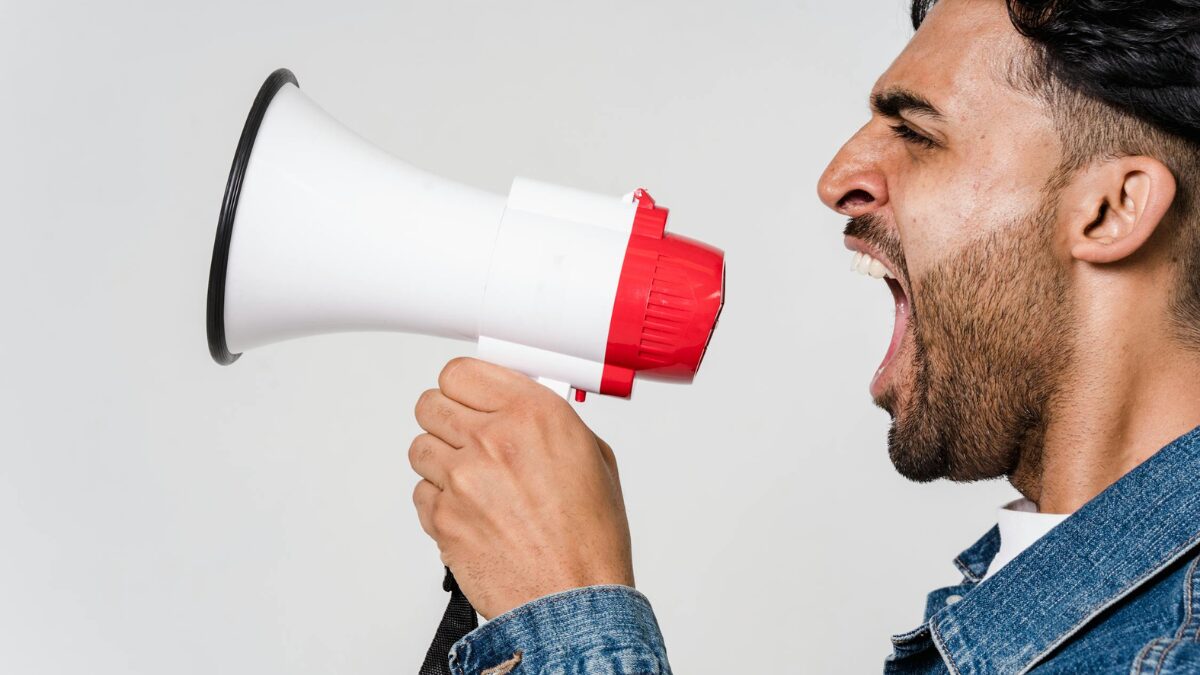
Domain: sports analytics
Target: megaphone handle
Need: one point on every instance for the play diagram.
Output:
(559, 387)
(458, 620)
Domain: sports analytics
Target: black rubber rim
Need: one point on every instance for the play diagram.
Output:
(233, 189)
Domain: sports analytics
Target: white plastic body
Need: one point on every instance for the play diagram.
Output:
(333, 234)
(553, 281)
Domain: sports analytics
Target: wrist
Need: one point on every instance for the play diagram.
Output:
(553, 587)
(607, 628)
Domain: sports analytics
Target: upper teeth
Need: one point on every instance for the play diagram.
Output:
(865, 264)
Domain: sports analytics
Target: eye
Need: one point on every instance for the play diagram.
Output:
(904, 132)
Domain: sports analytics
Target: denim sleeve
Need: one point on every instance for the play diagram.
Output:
(596, 630)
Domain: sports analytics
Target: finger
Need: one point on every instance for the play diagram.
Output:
(446, 418)
(483, 386)
(431, 458)
(425, 495)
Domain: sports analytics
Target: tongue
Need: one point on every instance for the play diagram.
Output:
(901, 321)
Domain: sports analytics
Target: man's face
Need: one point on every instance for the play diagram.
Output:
(947, 187)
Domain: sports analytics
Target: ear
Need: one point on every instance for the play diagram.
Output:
(1113, 206)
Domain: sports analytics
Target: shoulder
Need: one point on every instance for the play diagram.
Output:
(1156, 629)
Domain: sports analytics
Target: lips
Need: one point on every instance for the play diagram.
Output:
(871, 262)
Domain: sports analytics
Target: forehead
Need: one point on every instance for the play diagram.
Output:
(959, 60)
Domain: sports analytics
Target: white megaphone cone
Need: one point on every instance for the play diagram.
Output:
(321, 232)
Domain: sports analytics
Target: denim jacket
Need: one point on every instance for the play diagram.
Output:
(1114, 588)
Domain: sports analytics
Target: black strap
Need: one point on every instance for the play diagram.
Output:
(458, 620)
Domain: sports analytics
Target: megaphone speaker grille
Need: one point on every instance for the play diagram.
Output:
(233, 187)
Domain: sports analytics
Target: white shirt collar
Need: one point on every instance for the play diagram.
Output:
(1020, 526)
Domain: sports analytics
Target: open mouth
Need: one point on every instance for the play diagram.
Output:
(871, 263)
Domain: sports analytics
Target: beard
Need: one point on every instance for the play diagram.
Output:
(991, 332)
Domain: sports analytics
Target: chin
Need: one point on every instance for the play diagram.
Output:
(916, 445)
(887, 402)
(896, 394)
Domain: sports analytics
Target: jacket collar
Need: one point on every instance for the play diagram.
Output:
(974, 562)
(1114, 543)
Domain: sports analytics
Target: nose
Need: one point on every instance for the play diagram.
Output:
(854, 184)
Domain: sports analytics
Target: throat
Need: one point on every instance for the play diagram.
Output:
(1026, 473)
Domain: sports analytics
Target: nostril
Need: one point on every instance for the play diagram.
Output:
(855, 199)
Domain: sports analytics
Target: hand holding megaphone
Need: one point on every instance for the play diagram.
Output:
(521, 497)
(322, 232)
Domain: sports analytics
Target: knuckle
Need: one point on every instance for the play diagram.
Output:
(507, 452)
(495, 440)
(482, 434)
(461, 480)
(441, 522)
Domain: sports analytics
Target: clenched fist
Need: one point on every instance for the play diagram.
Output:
(521, 497)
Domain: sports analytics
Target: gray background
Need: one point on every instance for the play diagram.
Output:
(160, 514)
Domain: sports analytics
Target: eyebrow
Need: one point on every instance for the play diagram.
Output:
(893, 102)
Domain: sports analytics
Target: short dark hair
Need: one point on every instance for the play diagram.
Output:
(1122, 78)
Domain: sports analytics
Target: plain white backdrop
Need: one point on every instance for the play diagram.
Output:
(161, 514)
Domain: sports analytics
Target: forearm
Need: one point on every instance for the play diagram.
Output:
(609, 630)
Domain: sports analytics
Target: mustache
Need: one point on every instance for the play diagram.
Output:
(871, 229)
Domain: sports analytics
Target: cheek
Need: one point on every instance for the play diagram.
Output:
(939, 210)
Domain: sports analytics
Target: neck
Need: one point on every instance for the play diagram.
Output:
(1129, 390)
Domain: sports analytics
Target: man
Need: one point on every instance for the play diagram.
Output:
(1027, 188)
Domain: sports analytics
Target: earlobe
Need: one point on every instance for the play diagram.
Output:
(1126, 198)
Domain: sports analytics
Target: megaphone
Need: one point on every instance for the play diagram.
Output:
(320, 232)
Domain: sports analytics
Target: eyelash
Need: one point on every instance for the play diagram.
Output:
(904, 132)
